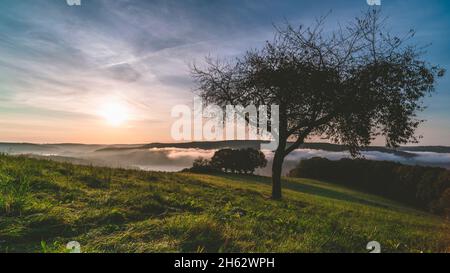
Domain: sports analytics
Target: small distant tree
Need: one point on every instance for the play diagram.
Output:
(349, 86)
(239, 161)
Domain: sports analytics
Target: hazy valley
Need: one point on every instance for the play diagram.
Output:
(172, 157)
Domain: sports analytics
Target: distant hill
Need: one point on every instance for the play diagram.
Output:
(434, 149)
(205, 145)
(256, 144)
(70, 149)
(21, 148)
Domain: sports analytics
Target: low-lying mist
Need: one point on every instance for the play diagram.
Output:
(176, 159)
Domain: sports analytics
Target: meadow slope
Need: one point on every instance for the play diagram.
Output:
(45, 204)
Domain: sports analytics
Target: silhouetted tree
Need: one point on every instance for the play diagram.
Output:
(349, 86)
(222, 160)
(239, 161)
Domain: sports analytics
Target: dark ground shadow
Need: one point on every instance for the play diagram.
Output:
(306, 188)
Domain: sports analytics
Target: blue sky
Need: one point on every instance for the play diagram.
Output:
(62, 66)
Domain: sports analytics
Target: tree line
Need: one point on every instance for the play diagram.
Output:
(426, 188)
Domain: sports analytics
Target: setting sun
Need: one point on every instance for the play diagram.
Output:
(114, 113)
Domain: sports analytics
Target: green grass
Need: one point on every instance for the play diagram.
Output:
(44, 205)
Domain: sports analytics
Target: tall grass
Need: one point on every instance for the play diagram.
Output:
(14, 188)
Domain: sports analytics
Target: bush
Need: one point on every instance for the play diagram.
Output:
(426, 188)
(239, 161)
(202, 165)
(228, 160)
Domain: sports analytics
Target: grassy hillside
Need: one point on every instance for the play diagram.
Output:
(44, 205)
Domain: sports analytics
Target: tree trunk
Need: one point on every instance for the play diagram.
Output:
(279, 156)
(276, 176)
(277, 168)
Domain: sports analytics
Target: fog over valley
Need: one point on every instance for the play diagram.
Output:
(176, 157)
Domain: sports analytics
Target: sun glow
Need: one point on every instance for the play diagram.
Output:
(114, 113)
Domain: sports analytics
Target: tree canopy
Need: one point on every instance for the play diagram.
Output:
(239, 161)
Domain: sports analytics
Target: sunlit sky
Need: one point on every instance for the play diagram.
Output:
(109, 71)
